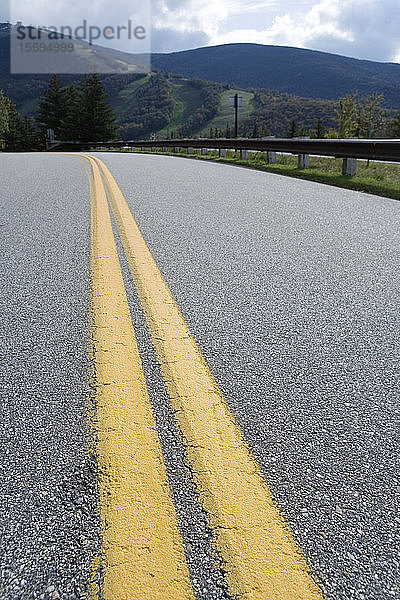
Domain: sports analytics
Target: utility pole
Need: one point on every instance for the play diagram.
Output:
(236, 105)
(236, 101)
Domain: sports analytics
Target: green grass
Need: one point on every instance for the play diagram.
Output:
(226, 113)
(381, 179)
(187, 98)
(127, 97)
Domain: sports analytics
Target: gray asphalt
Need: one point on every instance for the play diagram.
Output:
(291, 289)
(49, 524)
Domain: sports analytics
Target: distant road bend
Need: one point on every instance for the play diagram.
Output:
(199, 383)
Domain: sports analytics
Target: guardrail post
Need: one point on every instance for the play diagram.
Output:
(204, 151)
(349, 167)
(153, 149)
(144, 149)
(271, 158)
(222, 153)
(244, 154)
(190, 150)
(304, 161)
(164, 149)
(176, 149)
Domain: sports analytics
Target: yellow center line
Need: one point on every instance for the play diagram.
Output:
(143, 549)
(261, 556)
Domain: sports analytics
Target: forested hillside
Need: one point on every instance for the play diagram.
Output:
(284, 90)
(296, 71)
(159, 102)
(276, 113)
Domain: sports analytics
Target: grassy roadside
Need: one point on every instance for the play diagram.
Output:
(381, 179)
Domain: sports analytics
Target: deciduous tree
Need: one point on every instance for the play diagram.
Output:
(363, 118)
(346, 116)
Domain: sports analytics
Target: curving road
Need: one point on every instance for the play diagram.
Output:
(291, 291)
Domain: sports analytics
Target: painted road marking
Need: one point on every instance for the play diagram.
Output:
(143, 549)
(261, 556)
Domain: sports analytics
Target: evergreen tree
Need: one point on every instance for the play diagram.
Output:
(97, 116)
(28, 134)
(16, 134)
(71, 123)
(15, 138)
(320, 130)
(396, 126)
(4, 112)
(32, 138)
(51, 109)
(293, 129)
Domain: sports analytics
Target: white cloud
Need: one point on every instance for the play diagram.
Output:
(97, 13)
(192, 15)
(359, 28)
(375, 26)
(321, 20)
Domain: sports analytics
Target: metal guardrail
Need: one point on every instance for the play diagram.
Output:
(381, 150)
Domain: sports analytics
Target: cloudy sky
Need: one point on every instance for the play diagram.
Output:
(358, 28)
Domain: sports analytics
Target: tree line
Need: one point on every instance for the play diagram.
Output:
(81, 112)
(290, 116)
(365, 118)
(77, 113)
(17, 133)
(73, 113)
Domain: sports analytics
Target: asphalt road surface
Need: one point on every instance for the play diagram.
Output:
(49, 524)
(291, 291)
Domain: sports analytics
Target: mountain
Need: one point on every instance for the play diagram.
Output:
(107, 60)
(306, 73)
(24, 90)
(188, 92)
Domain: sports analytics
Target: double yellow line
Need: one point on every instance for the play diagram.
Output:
(143, 550)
